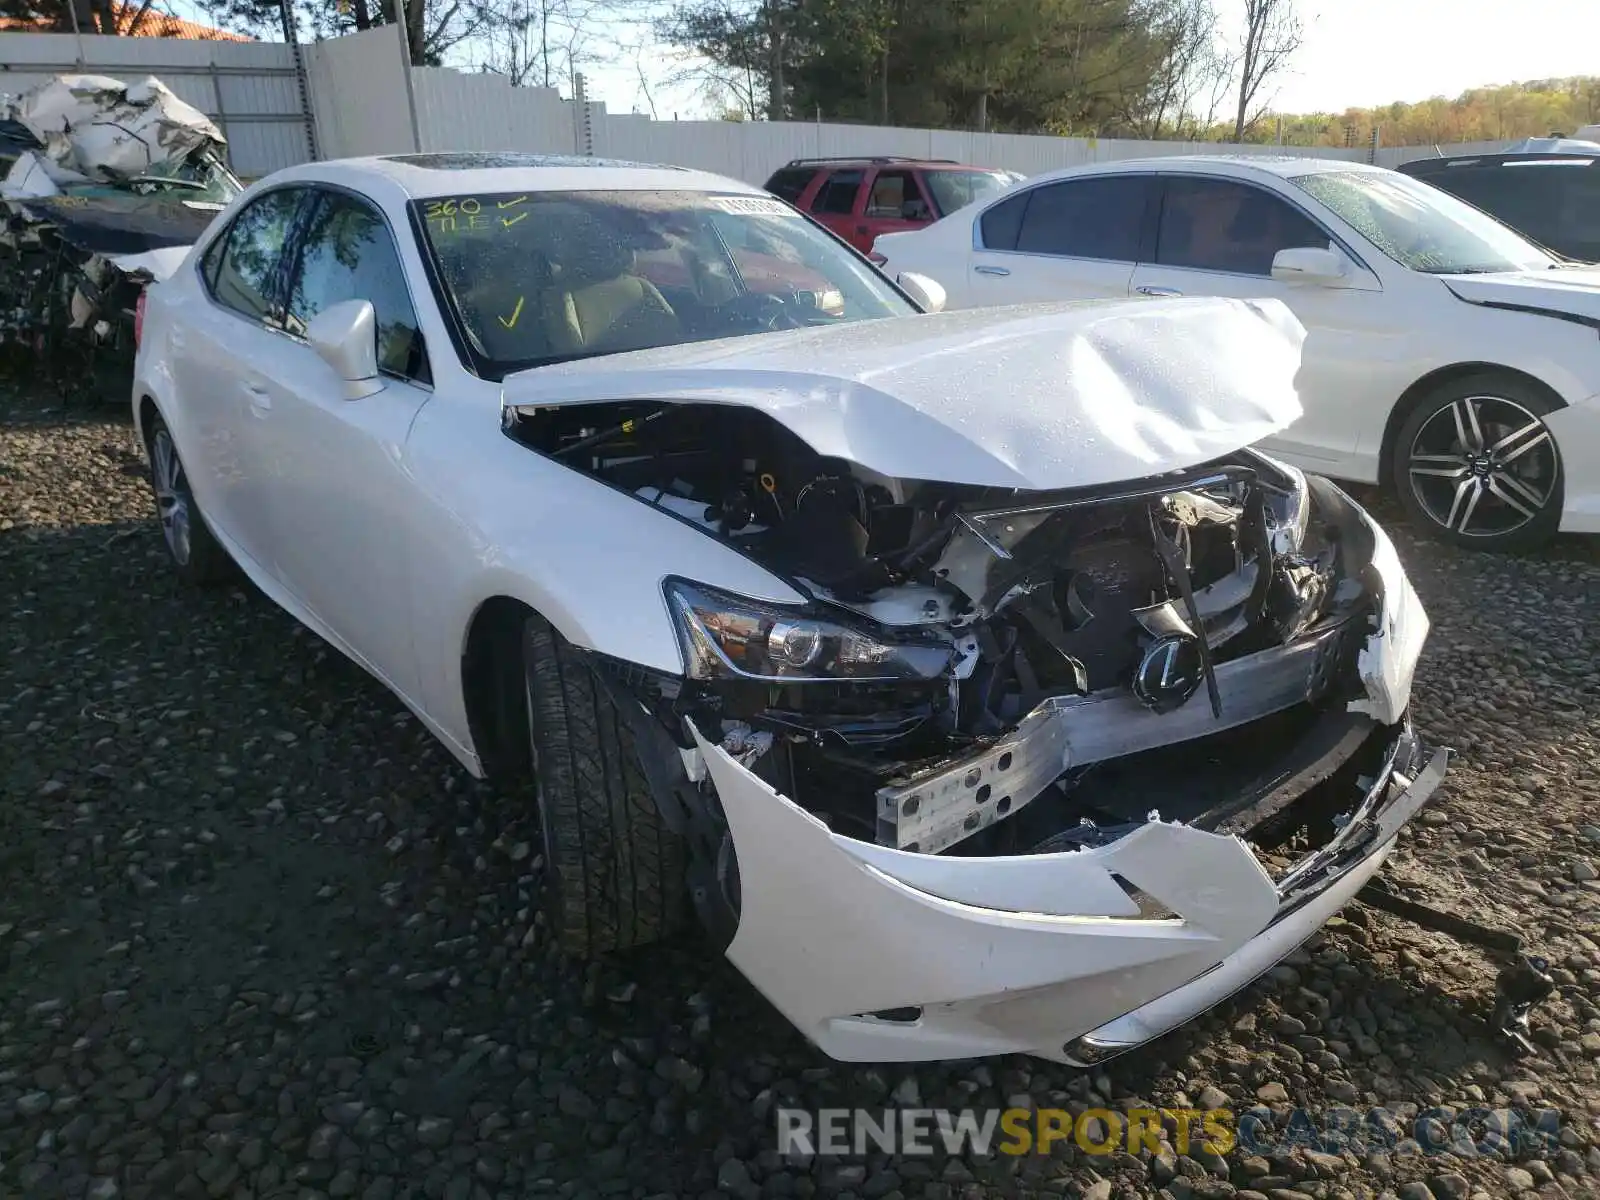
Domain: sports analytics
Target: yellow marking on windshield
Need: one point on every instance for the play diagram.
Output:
(513, 220)
(511, 321)
(510, 203)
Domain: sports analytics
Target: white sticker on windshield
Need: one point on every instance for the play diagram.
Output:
(755, 206)
(205, 205)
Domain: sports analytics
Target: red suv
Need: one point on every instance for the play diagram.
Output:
(859, 198)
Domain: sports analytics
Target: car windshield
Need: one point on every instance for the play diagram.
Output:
(957, 189)
(1422, 227)
(541, 277)
(204, 179)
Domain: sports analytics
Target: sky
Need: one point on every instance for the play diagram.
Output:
(1356, 53)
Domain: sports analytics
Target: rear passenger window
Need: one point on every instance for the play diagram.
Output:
(790, 182)
(241, 266)
(1001, 224)
(1099, 217)
(838, 195)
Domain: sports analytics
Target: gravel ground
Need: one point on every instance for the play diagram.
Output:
(259, 936)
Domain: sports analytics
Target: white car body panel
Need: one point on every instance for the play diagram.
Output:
(384, 524)
(907, 398)
(1385, 329)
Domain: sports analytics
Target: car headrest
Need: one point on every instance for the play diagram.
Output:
(587, 251)
(1254, 214)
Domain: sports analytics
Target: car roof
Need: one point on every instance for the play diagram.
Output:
(1429, 166)
(1284, 166)
(867, 160)
(423, 176)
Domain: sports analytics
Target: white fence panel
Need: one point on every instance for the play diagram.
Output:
(483, 112)
(359, 98)
(248, 88)
(358, 94)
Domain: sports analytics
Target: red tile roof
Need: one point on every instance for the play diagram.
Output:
(134, 21)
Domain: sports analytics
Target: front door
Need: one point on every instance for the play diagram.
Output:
(895, 203)
(1073, 240)
(1218, 237)
(345, 491)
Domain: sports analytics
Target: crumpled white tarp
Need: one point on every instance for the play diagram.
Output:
(28, 179)
(106, 129)
(156, 265)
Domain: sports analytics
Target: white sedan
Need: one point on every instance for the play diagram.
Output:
(943, 663)
(1446, 356)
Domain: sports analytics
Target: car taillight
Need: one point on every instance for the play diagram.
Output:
(138, 317)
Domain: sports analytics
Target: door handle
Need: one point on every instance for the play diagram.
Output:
(992, 270)
(1157, 291)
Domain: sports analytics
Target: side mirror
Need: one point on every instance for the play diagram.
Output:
(345, 335)
(1308, 264)
(928, 293)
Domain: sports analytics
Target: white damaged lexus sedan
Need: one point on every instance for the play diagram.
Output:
(966, 675)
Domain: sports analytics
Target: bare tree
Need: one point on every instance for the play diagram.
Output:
(1186, 33)
(540, 43)
(1272, 34)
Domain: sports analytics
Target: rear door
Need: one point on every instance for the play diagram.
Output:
(223, 351)
(895, 203)
(1074, 239)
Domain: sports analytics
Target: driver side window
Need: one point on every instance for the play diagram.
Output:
(347, 253)
(895, 196)
(1220, 225)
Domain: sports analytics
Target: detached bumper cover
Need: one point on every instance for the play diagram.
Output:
(1044, 954)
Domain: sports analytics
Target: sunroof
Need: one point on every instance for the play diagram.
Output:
(490, 160)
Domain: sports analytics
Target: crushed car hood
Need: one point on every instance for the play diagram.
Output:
(1036, 397)
(122, 223)
(1572, 293)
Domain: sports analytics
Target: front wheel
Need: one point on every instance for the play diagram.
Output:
(1476, 465)
(615, 876)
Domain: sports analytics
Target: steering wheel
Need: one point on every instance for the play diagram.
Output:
(764, 311)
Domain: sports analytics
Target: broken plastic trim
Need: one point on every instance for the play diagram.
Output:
(940, 807)
(1319, 880)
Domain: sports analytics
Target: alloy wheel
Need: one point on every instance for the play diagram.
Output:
(172, 495)
(1482, 466)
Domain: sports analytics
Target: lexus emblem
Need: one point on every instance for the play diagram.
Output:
(1169, 673)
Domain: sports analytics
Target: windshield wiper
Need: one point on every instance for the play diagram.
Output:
(166, 181)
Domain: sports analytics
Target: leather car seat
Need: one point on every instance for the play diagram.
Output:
(598, 304)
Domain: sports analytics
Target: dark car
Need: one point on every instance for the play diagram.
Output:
(1552, 197)
(859, 198)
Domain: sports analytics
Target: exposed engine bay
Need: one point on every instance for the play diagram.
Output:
(1000, 671)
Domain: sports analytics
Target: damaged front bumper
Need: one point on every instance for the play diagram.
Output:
(885, 954)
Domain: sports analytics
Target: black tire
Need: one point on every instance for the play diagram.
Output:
(614, 873)
(1465, 475)
(196, 555)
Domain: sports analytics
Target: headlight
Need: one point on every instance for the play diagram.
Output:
(1289, 510)
(729, 637)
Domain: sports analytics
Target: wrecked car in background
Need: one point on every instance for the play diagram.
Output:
(105, 187)
(968, 673)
